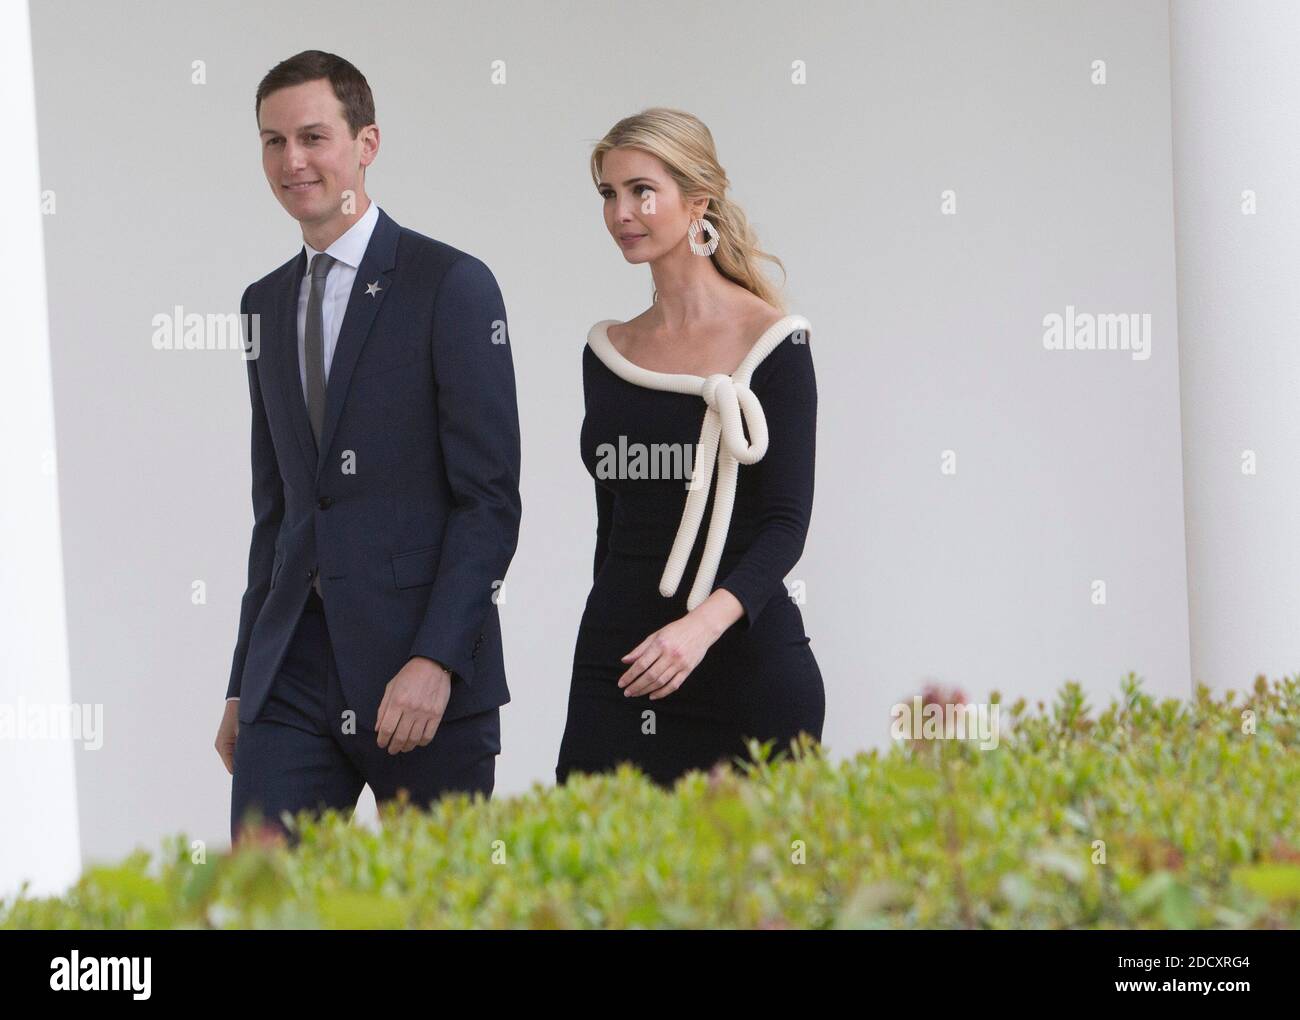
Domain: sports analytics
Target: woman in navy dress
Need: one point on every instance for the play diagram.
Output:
(700, 435)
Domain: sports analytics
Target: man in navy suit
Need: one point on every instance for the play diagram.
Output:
(385, 466)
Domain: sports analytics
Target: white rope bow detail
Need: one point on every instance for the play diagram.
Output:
(731, 405)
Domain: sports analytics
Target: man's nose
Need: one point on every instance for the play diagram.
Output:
(295, 156)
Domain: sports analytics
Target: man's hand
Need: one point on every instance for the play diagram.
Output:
(227, 732)
(413, 704)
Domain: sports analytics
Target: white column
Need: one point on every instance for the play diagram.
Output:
(39, 838)
(1236, 131)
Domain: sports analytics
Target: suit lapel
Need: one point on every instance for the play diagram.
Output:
(376, 268)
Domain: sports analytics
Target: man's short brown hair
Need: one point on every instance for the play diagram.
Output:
(349, 85)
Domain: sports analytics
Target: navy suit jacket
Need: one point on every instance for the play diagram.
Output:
(411, 507)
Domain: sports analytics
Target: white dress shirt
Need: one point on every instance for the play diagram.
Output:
(347, 250)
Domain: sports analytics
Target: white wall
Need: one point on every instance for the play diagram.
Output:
(927, 331)
(38, 796)
(1236, 82)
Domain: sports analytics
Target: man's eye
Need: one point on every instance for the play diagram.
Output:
(272, 141)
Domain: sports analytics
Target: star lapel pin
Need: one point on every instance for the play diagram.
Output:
(373, 288)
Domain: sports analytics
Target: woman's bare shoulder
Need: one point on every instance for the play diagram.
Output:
(625, 335)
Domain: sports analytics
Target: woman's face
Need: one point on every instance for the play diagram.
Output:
(644, 210)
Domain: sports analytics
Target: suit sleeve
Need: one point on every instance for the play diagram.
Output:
(478, 429)
(784, 478)
(268, 512)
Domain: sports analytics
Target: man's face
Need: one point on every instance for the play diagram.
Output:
(308, 154)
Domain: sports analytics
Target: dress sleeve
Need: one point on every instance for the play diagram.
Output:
(788, 394)
(604, 495)
(604, 511)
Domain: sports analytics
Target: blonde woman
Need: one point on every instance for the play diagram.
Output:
(700, 434)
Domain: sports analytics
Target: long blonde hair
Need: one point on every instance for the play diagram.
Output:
(685, 146)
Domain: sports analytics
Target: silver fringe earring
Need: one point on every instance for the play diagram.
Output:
(710, 230)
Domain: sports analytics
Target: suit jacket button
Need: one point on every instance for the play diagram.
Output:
(325, 502)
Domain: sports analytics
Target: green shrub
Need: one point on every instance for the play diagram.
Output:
(1196, 814)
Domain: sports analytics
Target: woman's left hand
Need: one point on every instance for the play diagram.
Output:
(664, 660)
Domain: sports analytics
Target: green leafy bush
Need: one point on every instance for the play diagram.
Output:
(1152, 814)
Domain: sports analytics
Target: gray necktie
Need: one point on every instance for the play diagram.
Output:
(314, 345)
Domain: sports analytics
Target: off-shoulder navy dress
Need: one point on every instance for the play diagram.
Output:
(760, 678)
